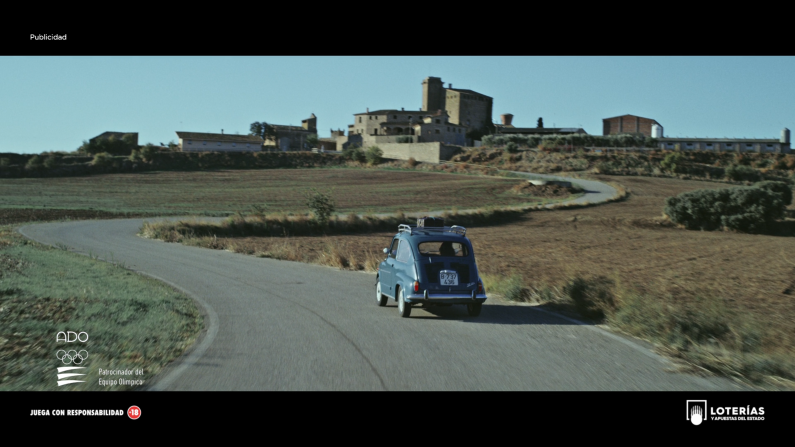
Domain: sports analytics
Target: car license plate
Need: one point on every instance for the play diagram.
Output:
(448, 278)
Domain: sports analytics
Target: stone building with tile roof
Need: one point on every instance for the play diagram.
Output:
(293, 138)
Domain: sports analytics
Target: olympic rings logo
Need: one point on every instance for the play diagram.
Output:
(72, 356)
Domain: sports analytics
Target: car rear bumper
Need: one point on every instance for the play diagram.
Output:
(448, 298)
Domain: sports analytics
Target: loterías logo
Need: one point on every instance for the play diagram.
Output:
(696, 411)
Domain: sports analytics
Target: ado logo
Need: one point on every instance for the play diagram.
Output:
(71, 337)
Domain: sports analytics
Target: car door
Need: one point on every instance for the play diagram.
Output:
(387, 273)
(403, 272)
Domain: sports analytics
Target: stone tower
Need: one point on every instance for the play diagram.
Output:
(432, 94)
(310, 123)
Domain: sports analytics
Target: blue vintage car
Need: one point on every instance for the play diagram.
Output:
(431, 266)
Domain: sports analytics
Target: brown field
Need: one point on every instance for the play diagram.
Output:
(225, 192)
(627, 241)
(624, 240)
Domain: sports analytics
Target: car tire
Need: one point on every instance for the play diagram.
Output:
(404, 308)
(474, 309)
(380, 298)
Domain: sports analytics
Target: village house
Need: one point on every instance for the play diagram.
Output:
(292, 138)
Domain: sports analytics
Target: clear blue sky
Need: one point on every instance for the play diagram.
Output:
(54, 103)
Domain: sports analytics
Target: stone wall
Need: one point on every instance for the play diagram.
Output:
(424, 152)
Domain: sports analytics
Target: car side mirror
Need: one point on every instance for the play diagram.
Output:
(386, 251)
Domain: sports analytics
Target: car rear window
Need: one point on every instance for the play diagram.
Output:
(439, 248)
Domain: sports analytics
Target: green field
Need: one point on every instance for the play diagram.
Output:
(227, 192)
(133, 322)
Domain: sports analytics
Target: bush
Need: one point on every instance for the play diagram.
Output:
(102, 160)
(741, 173)
(747, 209)
(593, 298)
(51, 162)
(321, 204)
(412, 162)
(34, 163)
(135, 155)
(5, 162)
(511, 148)
(148, 152)
(673, 162)
(778, 187)
(511, 288)
(354, 153)
(373, 155)
(404, 139)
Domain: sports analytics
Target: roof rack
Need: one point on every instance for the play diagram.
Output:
(411, 229)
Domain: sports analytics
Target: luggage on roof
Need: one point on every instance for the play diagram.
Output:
(431, 222)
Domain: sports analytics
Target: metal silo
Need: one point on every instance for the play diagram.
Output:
(784, 136)
(656, 131)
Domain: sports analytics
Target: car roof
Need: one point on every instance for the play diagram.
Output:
(418, 234)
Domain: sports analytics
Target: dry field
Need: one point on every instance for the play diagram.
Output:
(751, 275)
(624, 240)
(226, 192)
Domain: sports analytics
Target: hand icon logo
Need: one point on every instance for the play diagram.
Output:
(695, 415)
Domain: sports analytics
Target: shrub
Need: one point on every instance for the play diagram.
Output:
(51, 161)
(673, 162)
(373, 155)
(747, 209)
(778, 187)
(743, 173)
(404, 139)
(412, 162)
(34, 163)
(511, 288)
(148, 152)
(135, 155)
(593, 298)
(511, 148)
(102, 160)
(321, 204)
(354, 153)
(5, 162)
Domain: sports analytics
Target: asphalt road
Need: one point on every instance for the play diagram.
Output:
(278, 325)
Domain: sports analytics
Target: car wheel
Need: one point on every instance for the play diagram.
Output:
(474, 309)
(380, 298)
(404, 308)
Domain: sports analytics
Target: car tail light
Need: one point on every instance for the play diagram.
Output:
(416, 286)
(480, 287)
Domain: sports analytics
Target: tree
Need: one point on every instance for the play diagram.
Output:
(148, 152)
(321, 204)
(262, 130)
(374, 155)
(540, 124)
(312, 140)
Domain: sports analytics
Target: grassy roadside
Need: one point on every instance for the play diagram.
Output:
(133, 322)
(704, 335)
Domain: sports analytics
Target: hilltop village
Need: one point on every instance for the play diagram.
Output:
(449, 119)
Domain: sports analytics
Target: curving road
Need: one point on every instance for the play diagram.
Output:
(278, 325)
